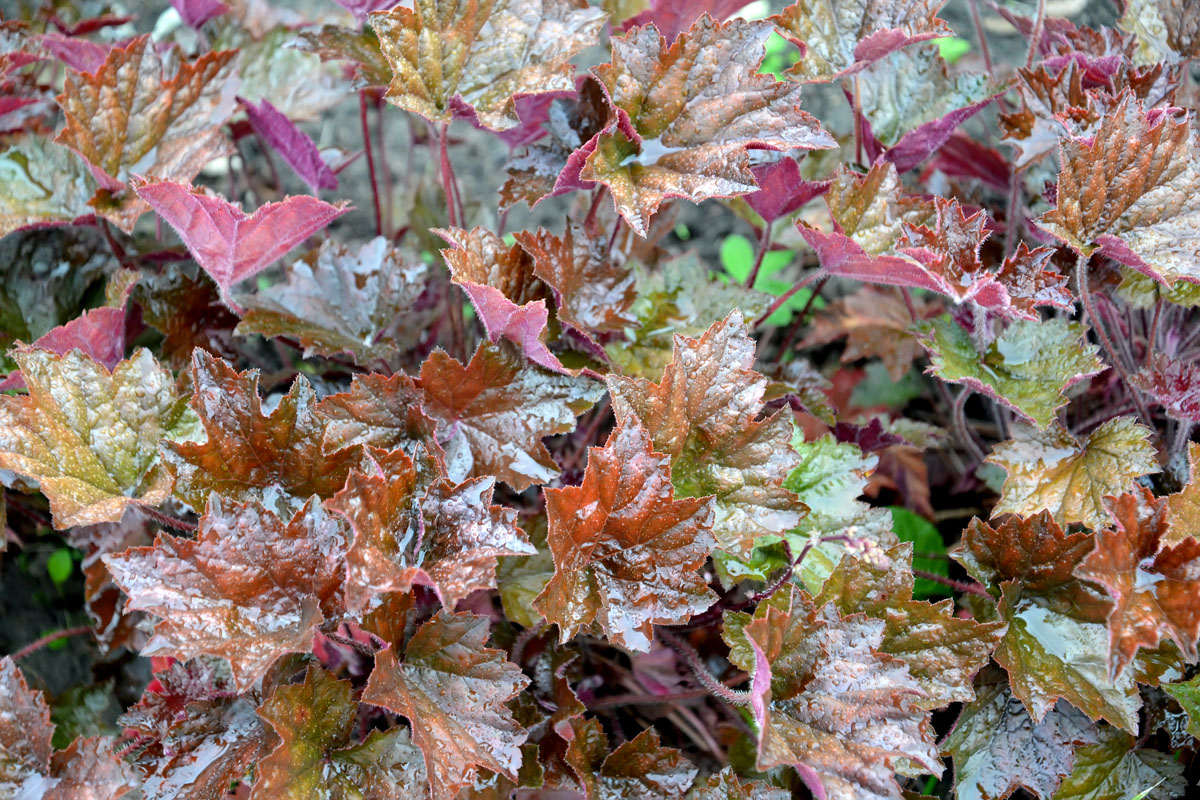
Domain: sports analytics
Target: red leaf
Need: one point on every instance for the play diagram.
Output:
(673, 17)
(99, 333)
(781, 189)
(81, 55)
(292, 144)
(227, 243)
(1174, 384)
(195, 13)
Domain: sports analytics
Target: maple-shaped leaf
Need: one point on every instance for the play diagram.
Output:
(626, 552)
(251, 456)
(1130, 192)
(381, 412)
(998, 749)
(1183, 507)
(592, 291)
(453, 689)
(1155, 588)
(639, 768)
(688, 113)
(44, 184)
(876, 324)
(99, 334)
(229, 244)
(703, 414)
(1056, 644)
(1028, 367)
(292, 144)
(1174, 384)
(89, 436)
(366, 301)
(197, 735)
(841, 37)
(186, 307)
(827, 701)
(942, 651)
(727, 785)
(492, 413)
(317, 756)
(507, 296)
(1115, 769)
(1187, 693)
(446, 536)
(335, 43)
(249, 588)
(1031, 282)
(90, 768)
(1070, 478)
(672, 17)
(195, 13)
(131, 117)
(478, 57)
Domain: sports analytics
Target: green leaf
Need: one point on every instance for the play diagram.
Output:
(952, 48)
(737, 257)
(910, 527)
(1188, 695)
(1114, 770)
(1028, 367)
(59, 566)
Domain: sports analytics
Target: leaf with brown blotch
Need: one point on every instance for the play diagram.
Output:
(1052, 470)
(129, 117)
(249, 455)
(476, 58)
(442, 535)
(1155, 587)
(508, 298)
(639, 768)
(366, 301)
(626, 552)
(250, 588)
(493, 412)
(703, 414)
(827, 701)
(876, 324)
(453, 689)
(382, 412)
(687, 115)
(1132, 192)
(317, 755)
(1174, 384)
(592, 291)
(228, 243)
(196, 734)
(841, 37)
(90, 437)
(943, 652)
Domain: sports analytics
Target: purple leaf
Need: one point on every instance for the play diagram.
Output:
(195, 13)
(524, 325)
(291, 143)
(924, 140)
(99, 333)
(673, 17)
(80, 55)
(532, 109)
(781, 189)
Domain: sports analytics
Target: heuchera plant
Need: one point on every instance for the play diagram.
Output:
(444, 481)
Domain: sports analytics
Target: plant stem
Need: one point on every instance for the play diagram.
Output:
(1152, 336)
(731, 696)
(384, 169)
(798, 322)
(964, 432)
(783, 298)
(958, 586)
(449, 185)
(50, 638)
(983, 45)
(1014, 220)
(366, 136)
(764, 243)
(1035, 39)
(1089, 311)
(169, 521)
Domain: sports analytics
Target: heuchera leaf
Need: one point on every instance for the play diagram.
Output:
(229, 244)
(249, 456)
(89, 436)
(998, 749)
(626, 552)
(1188, 695)
(250, 588)
(130, 118)
(827, 701)
(1114, 769)
(1130, 191)
(781, 189)
(703, 414)
(44, 184)
(195, 13)
(686, 122)
(673, 17)
(1028, 367)
(493, 412)
(442, 535)
(475, 58)
(641, 767)
(727, 785)
(381, 412)
(361, 8)
(368, 301)
(1165, 30)
(453, 690)
(292, 144)
(316, 756)
(841, 37)
(196, 733)
(1174, 384)
(99, 334)
(942, 651)
(1183, 507)
(1155, 587)
(1051, 470)
(185, 306)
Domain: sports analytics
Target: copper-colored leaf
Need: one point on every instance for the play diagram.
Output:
(25, 747)
(453, 689)
(378, 411)
(703, 414)
(625, 550)
(186, 307)
(493, 412)
(478, 56)
(1183, 507)
(90, 437)
(688, 113)
(250, 588)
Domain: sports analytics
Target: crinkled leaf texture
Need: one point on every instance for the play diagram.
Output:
(687, 114)
(293, 145)
(99, 334)
(453, 690)
(90, 437)
(476, 58)
(1114, 769)
(250, 588)
(626, 552)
